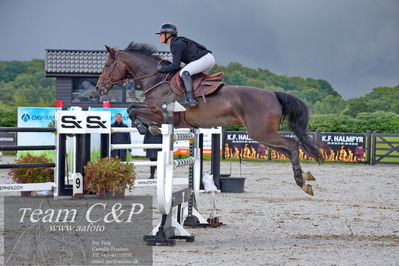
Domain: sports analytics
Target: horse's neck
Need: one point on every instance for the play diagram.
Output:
(158, 93)
(142, 69)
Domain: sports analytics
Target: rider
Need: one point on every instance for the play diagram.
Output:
(197, 58)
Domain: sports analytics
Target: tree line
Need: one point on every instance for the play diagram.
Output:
(329, 112)
(22, 83)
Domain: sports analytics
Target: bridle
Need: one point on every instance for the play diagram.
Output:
(108, 83)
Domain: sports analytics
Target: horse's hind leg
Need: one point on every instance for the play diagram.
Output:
(296, 164)
(290, 148)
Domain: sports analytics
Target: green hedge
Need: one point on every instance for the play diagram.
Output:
(380, 122)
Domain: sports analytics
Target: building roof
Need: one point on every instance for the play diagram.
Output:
(79, 62)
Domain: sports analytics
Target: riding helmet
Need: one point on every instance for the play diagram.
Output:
(168, 28)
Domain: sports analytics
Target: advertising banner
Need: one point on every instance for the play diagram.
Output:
(36, 117)
(238, 144)
(207, 142)
(83, 122)
(45, 117)
(338, 147)
(7, 138)
(344, 147)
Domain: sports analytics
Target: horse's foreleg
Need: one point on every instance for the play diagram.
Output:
(137, 121)
(135, 105)
(149, 113)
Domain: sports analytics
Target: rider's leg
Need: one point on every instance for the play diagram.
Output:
(210, 62)
(188, 85)
(203, 64)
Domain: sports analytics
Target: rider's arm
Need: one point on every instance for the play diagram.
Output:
(176, 49)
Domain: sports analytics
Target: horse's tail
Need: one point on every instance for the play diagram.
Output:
(298, 119)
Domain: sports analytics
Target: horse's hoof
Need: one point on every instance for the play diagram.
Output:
(308, 176)
(154, 130)
(141, 129)
(308, 189)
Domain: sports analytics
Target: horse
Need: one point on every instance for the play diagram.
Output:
(260, 110)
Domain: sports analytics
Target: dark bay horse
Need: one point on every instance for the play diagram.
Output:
(259, 110)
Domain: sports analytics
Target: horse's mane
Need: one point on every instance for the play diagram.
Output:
(143, 48)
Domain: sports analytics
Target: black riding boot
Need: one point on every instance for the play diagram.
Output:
(188, 100)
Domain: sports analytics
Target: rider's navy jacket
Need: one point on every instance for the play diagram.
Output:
(183, 50)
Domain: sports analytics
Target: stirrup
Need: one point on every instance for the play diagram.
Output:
(188, 102)
(192, 103)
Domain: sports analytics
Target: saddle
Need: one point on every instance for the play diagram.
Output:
(202, 84)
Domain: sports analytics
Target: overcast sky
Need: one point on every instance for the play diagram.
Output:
(353, 44)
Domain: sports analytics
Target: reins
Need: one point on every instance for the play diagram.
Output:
(165, 80)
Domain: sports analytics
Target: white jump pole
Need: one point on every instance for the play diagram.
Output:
(165, 171)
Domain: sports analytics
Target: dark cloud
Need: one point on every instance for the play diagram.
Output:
(353, 44)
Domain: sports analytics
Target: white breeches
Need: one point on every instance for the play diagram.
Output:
(203, 64)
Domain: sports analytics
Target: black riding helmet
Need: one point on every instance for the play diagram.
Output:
(168, 28)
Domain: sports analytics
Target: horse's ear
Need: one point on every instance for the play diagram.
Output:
(110, 50)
